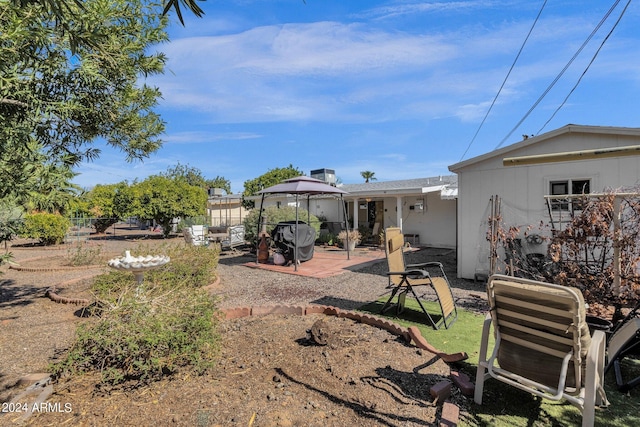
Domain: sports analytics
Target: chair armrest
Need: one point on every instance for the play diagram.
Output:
(413, 272)
(425, 264)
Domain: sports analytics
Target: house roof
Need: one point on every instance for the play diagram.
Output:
(446, 185)
(570, 128)
(399, 187)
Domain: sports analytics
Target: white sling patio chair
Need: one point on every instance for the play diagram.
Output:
(196, 235)
(542, 344)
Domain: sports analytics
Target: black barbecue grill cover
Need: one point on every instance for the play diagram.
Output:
(284, 237)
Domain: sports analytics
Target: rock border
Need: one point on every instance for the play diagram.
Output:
(441, 391)
(48, 269)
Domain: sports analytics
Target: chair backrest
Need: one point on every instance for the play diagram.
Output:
(236, 234)
(195, 235)
(198, 231)
(394, 244)
(539, 325)
(235, 237)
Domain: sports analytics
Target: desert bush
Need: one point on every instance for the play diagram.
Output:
(49, 229)
(82, 254)
(275, 215)
(147, 333)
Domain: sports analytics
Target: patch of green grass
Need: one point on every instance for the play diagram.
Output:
(464, 334)
(504, 405)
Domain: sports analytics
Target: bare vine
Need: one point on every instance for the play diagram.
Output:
(596, 251)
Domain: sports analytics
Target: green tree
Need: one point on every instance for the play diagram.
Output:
(34, 181)
(110, 203)
(10, 221)
(219, 182)
(272, 177)
(53, 190)
(63, 9)
(162, 199)
(194, 176)
(368, 176)
(189, 174)
(58, 94)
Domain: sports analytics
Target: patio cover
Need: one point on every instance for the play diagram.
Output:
(303, 185)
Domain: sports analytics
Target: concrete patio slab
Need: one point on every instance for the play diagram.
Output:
(326, 263)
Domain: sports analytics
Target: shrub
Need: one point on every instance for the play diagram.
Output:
(275, 215)
(49, 229)
(81, 254)
(326, 238)
(170, 325)
(354, 236)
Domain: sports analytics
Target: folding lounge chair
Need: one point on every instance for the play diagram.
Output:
(235, 237)
(404, 278)
(542, 344)
(624, 342)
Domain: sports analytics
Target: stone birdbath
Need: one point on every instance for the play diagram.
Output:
(138, 265)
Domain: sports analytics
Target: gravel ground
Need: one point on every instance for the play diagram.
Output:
(242, 286)
(35, 327)
(353, 382)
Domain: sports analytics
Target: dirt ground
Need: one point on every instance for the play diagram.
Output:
(270, 373)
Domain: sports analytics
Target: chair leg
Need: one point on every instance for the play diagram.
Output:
(424, 310)
(481, 374)
(387, 304)
(594, 377)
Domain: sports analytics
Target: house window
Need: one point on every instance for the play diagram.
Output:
(568, 187)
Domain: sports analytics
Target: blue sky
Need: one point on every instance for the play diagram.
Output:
(399, 88)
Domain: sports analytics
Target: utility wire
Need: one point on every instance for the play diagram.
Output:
(584, 44)
(505, 80)
(587, 68)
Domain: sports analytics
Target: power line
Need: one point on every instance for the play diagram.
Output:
(584, 44)
(587, 68)
(505, 80)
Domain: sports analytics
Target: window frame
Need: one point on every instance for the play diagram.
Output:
(569, 185)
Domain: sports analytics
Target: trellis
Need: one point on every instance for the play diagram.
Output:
(617, 219)
(610, 253)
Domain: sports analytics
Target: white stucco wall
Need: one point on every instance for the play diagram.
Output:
(435, 224)
(522, 188)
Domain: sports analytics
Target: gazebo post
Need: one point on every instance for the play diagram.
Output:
(258, 228)
(346, 223)
(295, 241)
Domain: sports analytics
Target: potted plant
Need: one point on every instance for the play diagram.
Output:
(354, 238)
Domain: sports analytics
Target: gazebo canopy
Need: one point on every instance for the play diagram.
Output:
(302, 185)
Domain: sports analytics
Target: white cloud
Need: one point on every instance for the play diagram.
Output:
(207, 137)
